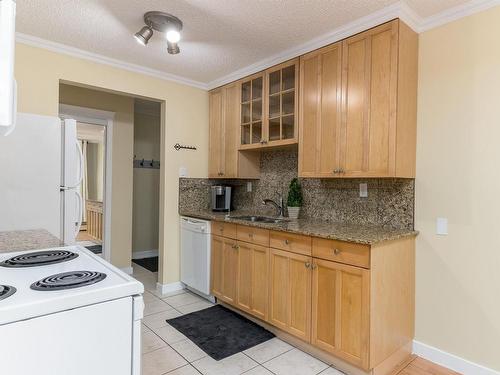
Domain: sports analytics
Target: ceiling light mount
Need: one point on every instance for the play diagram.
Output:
(164, 23)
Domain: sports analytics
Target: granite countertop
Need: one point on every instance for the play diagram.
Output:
(358, 233)
(27, 240)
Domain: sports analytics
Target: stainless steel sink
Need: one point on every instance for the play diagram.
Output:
(260, 219)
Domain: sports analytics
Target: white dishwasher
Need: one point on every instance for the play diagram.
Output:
(195, 255)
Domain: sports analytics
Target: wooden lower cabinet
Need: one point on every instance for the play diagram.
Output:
(253, 279)
(340, 310)
(224, 273)
(290, 293)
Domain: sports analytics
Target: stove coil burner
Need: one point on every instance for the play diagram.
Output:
(6, 291)
(41, 258)
(68, 280)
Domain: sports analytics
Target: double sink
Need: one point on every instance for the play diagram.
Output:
(260, 219)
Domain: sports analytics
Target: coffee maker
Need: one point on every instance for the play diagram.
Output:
(221, 198)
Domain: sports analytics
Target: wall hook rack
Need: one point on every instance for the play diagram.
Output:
(178, 147)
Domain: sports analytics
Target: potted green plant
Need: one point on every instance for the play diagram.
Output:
(295, 199)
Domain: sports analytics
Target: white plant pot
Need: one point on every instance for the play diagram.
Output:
(293, 212)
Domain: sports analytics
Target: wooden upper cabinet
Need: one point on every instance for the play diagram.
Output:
(320, 114)
(268, 108)
(367, 126)
(225, 161)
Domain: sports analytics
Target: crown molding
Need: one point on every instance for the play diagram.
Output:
(455, 13)
(100, 59)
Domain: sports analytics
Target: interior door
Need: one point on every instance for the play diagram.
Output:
(72, 174)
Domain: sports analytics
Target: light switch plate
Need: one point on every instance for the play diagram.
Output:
(442, 226)
(183, 172)
(363, 190)
(249, 186)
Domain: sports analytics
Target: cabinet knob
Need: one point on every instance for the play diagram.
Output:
(235, 247)
(221, 229)
(341, 170)
(250, 235)
(287, 242)
(336, 171)
(314, 266)
(308, 265)
(337, 251)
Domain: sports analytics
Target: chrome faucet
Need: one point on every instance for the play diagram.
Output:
(279, 207)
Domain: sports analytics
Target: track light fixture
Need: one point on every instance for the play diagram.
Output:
(164, 23)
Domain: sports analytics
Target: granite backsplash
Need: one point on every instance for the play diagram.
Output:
(390, 201)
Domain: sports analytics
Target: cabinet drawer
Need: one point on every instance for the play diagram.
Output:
(227, 230)
(342, 252)
(254, 235)
(295, 243)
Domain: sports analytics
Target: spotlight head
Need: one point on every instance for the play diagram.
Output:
(144, 35)
(173, 48)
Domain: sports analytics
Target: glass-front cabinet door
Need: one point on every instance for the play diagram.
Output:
(281, 114)
(268, 107)
(252, 104)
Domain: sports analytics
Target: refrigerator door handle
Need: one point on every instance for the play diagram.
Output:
(80, 212)
(80, 169)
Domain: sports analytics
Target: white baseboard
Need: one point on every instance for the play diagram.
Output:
(169, 288)
(128, 270)
(144, 254)
(450, 361)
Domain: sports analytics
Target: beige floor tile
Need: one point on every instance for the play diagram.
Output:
(182, 299)
(161, 361)
(149, 297)
(184, 370)
(268, 350)
(295, 362)
(169, 334)
(234, 365)
(158, 320)
(189, 350)
(194, 307)
(155, 306)
(174, 293)
(258, 371)
(331, 371)
(151, 342)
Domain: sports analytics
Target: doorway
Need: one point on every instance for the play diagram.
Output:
(92, 138)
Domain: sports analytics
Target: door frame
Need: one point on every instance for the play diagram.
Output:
(104, 118)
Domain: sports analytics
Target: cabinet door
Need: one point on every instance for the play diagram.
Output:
(290, 293)
(369, 102)
(216, 148)
(251, 111)
(320, 114)
(229, 136)
(229, 270)
(216, 266)
(281, 108)
(253, 279)
(340, 310)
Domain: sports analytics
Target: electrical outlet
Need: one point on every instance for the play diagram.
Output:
(363, 190)
(183, 172)
(249, 186)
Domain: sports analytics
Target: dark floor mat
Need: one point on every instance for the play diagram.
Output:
(148, 263)
(96, 249)
(220, 332)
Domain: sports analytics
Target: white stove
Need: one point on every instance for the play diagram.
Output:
(69, 312)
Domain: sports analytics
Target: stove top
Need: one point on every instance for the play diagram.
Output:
(68, 280)
(40, 258)
(6, 291)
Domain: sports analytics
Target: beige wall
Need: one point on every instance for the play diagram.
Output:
(122, 155)
(146, 183)
(458, 177)
(38, 73)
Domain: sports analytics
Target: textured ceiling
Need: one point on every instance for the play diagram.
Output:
(219, 36)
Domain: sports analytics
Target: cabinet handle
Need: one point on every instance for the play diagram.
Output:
(287, 242)
(337, 251)
(308, 265)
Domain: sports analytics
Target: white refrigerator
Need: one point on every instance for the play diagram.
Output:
(41, 169)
